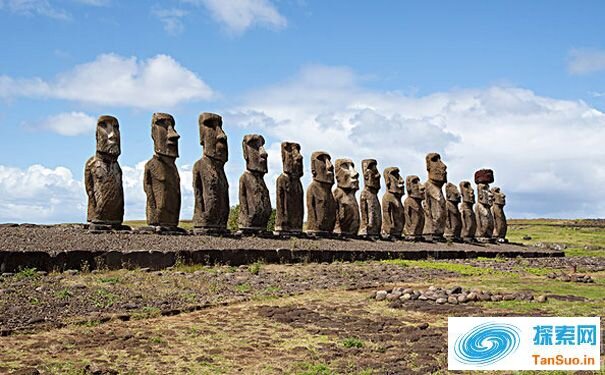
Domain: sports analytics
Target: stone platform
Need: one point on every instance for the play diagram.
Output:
(63, 247)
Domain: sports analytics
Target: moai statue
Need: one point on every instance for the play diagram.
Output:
(347, 208)
(412, 208)
(453, 224)
(371, 213)
(392, 209)
(161, 179)
(290, 199)
(435, 211)
(469, 221)
(103, 179)
(483, 208)
(500, 226)
(254, 201)
(210, 186)
(321, 206)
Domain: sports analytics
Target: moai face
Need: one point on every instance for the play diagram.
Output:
(108, 136)
(499, 196)
(212, 137)
(346, 175)
(371, 175)
(451, 193)
(322, 168)
(292, 159)
(393, 180)
(254, 153)
(414, 187)
(485, 196)
(468, 194)
(437, 170)
(165, 138)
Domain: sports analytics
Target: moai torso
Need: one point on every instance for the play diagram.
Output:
(163, 188)
(321, 206)
(347, 208)
(161, 179)
(453, 224)
(371, 212)
(434, 204)
(210, 186)
(500, 225)
(483, 213)
(469, 221)
(103, 176)
(392, 209)
(413, 210)
(254, 201)
(290, 200)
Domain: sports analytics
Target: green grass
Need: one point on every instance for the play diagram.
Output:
(462, 269)
(243, 288)
(314, 369)
(352, 342)
(255, 267)
(26, 273)
(104, 298)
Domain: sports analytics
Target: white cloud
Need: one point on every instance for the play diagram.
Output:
(34, 8)
(585, 61)
(68, 123)
(239, 15)
(95, 3)
(171, 19)
(158, 82)
(545, 152)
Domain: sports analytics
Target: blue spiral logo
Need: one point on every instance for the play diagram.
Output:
(487, 343)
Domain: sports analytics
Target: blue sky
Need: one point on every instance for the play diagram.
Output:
(517, 86)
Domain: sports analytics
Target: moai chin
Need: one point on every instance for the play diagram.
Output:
(103, 178)
(371, 213)
(210, 186)
(434, 205)
(347, 208)
(161, 179)
(453, 224)
(254, 201)
(392, 209)
(290, 200)
(413, 210)
(467, 213)
(500, 225)
(483, 214)
(321, 206)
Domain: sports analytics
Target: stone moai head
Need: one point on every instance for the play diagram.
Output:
(292, 159)
(346, 175)
(468, 194)
(108, 136)
(255, 155)
(499, 196)
(212, 137)
(451, 193)
(393, 181)
(371, 175)
(436, 168)
(484, 196)
(322, 168)
(165, 138)
(414, 187)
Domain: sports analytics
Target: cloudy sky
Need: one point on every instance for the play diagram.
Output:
(514, 86)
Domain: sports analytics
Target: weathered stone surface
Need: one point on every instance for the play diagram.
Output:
(453, 224)
(210, 186)
(434, 204)
(103, 176)
(161, 179)
(412, 207)
(254, 201)
(467, 213)
(321, 206)
(392, 210)
(290, 199)
(500, 225)
(371, 213)
(484, 176)
(483, 213)
(347, 208)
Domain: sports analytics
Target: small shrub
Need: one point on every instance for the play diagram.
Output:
(255, 268)
(63, 294)
(352, 342)
(27, 273)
